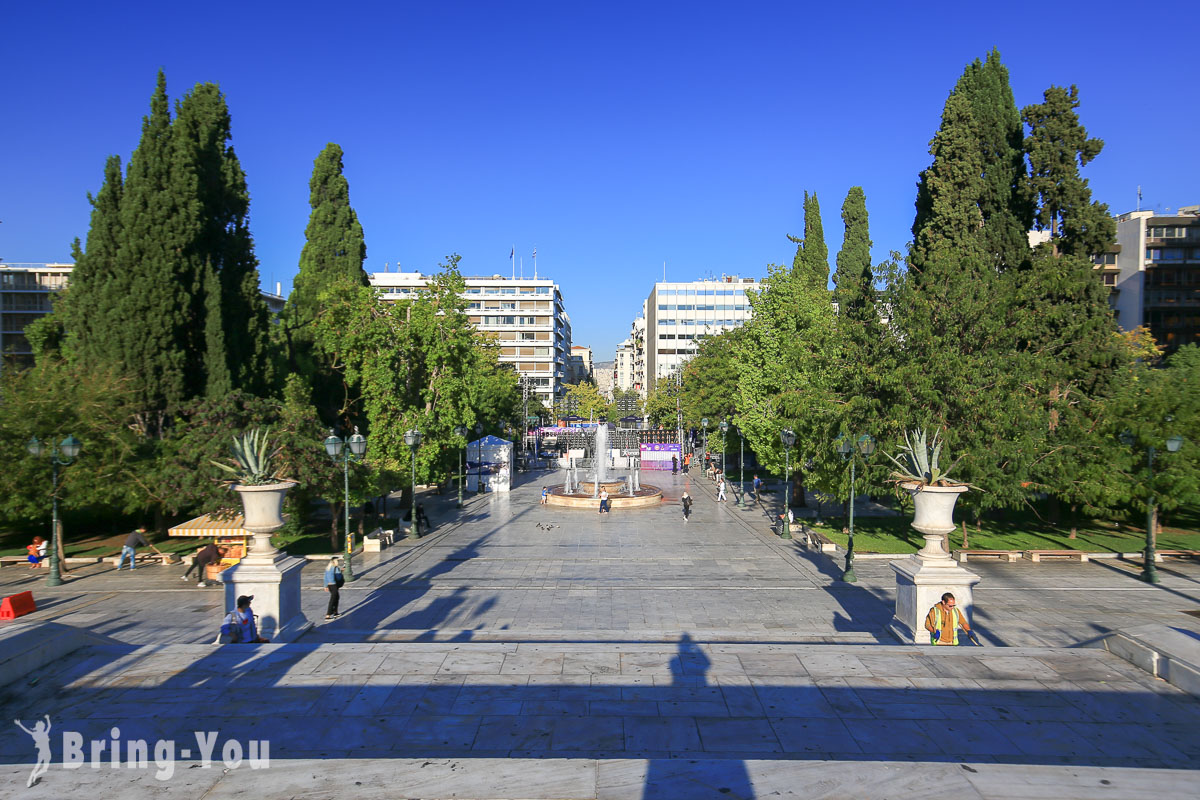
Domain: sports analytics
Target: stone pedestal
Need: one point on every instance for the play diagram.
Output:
(273, 578)
(919, 587)
(923, 578)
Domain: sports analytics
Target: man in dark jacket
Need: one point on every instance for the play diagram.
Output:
(209, 554)
(132, 542)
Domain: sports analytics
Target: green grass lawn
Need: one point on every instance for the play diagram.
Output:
(1018, 532)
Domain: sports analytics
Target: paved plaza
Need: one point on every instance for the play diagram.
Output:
(524, 651)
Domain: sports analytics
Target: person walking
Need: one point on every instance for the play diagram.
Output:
(757, 484)
(944, 620)
(209, 554)
(674, 465)
(334, 580)
(604, 501)
(686, 502)
(132, 542)
(721, 490)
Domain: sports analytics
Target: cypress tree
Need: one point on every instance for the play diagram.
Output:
(1058, 145)
(333, 254)
(86, 308)
(221, 259)
(1005, 208)
(154, 311)
(854, 280)
(813, 255)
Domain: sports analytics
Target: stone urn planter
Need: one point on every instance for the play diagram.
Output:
(262, 510)
(934, 514)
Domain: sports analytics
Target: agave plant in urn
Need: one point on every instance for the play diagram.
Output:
(260, 487)
(933, 492)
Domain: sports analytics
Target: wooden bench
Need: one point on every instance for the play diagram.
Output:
(1037, 555)
(1008, 555)
(18, 560)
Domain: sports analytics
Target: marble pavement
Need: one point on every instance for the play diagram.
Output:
(525, 652)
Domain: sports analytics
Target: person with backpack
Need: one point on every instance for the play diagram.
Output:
(334, 580)
(239, 626)
(944, 620)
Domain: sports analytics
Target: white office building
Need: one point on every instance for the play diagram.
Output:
(678, 315)
(525, 316)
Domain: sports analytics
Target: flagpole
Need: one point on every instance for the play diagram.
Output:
(513, 258)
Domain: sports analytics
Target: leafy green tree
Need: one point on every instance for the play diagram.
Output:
(421, 364)
(1152, 405)
(334, 252)
(662, 405)
(588, 402)
(1058, 146)
(710, 380)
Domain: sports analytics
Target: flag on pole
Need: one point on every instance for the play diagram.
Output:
(513, 253)
(535, 252)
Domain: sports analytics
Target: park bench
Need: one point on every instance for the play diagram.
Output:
(1037, 555)
(377, 540)
(45, 562)
(1008, 555)
(1176, 554)
(149, 558)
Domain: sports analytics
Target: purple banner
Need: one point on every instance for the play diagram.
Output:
(658, 456)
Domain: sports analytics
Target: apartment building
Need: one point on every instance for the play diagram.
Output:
(679, 315)
(581, 364)
(525, 316)
(25, 291)
(1153, 273)
(623, 366)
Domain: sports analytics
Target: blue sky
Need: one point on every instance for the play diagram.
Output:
(610, 136)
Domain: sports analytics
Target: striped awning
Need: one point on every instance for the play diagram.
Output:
(211, 525)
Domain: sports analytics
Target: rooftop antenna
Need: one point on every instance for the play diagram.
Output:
(664, 272)
(535, 263)
(1139, 203)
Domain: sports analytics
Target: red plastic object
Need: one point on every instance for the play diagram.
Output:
(17, 605)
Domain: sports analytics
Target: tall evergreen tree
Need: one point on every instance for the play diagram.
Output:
(812, 256)
(333, 254)
(854, 279)
(221, 260)
(1058, 146)
(86, 307)
(994, 124)
(154, 308)
(1064, 313)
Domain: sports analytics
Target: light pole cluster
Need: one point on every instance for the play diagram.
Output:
(461, 432)
(1173, 443)
(412, 438)
(788, 437)
(60, 455)
(845, 447)
(350, 450)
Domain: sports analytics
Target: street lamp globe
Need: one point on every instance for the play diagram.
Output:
(788, 437)
(333, 445)
(1174, 443)
(36, 448)
(412, 438)
(461, 431)
(866, 445)
(843, 446)
(724, 426)
(71, 446)
(704, 423)
(358, 443)
(1126, 438)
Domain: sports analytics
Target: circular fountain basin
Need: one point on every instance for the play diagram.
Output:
(643, 498)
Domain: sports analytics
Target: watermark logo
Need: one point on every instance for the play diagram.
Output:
(161, 755)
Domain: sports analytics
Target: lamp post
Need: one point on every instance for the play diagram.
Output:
(704, 430)
(845, 447)
(724, 426)
(461, 432)
(412, 438)
(60, 455)
(1174, 442)
(741, 469)
(479, 457)
(337, 449)
(788, 437)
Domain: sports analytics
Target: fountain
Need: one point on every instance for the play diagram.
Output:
(624, 492)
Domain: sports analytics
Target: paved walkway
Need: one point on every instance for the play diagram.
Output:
(523, 651)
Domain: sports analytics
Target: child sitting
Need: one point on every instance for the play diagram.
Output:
(37, 551)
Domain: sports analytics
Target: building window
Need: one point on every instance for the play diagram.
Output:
(1110, 280)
